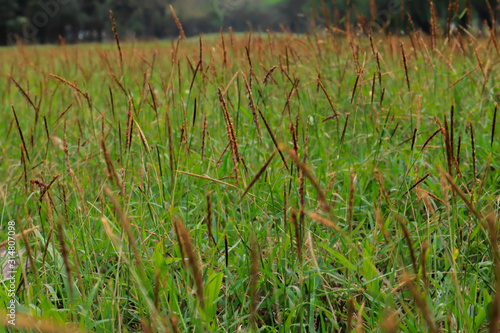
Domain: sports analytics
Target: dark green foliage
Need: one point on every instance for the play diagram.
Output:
(88, 20)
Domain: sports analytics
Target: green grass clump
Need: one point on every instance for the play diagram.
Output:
(269, 183)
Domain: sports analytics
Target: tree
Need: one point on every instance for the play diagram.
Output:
(45, 20)
(10, 20)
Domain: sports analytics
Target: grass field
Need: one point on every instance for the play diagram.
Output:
(253, 182)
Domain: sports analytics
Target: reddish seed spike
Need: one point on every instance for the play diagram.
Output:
(421, 303)
(223, 47)
(201, 53)
(184, 128)
(185, 242)
(430, 138)
(486, 169)
(423, 251)
(382, 97)
(254, 279)
(416, 183)
(268, 75)
(351, 200)
(209, 220)
(112, 102)
(473, 152)
(170, 146)
(229, 128)
(493, 125)
(25, 148)
(446, 136)
(405, 65)
(318, 78)
(25, 94)
(452, 128)
(373, 89)
(64, 254)
(109, 164)
(284, 207)
(433, 24)
(259, 173)
(373, 10)
(413, 138)
(272, 137)
(350, 313)
(320, 84)
(204, 134)
(293, 219)
(111, 16)
(345, 127)
(252, 105)
(355, 87)
(178, 23)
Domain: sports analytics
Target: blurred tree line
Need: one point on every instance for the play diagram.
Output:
(44, 21)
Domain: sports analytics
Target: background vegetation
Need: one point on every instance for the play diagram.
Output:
(88, 20)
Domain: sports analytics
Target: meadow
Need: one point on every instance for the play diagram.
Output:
(266, 182)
